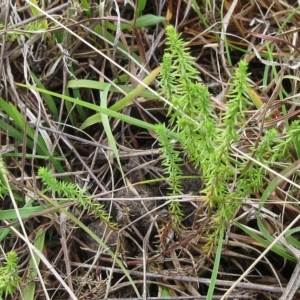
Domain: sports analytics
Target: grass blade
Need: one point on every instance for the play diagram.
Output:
(214, 274)
(109, 134)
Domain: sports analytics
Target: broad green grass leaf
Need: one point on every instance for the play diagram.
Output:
(141, 22)
(26, 211)
(109, 112)
(10, 214)
(34, 11)
(148, 20)
(94, 119)
(92, 84)
(135, 92)
(165, 292)
(124, 101)
(13, 113)
(4, 233)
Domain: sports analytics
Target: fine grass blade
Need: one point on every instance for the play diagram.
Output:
(141, 22)
(48, 99)
(290, 239)
(106, 125)
(200, 15)
(27, 211)
(92, 84)
(124, 101)
(287, 172)
(29, 289)
(109, 112)
(283, 253)
(279, 249)
(21, 123)
(214, 274)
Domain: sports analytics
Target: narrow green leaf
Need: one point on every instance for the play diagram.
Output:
(17, 135)
(141, 22)
(70, 110)
(49, 100)
(109, 112)
(214, 275)
(106, 125)
(283, 253)
(86, 7)
(135, 92)
(148, 20)
(141, 4)
(10, 214)
(100, 32)
(198, 11)
(20, 122)
(287, 172)
(92, 84)
(124, 101)
(293, 241)
(29, 289)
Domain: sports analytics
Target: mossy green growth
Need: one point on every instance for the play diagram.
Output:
(9, 278)
(74, 192)
(205, 136)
